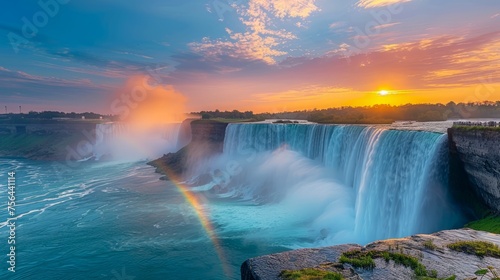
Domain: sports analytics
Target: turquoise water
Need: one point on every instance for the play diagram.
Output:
(275, 188)
(108, 221)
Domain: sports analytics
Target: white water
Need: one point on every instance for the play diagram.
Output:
(122, 141)
(286, 186)
(325, 184)
(345, 183)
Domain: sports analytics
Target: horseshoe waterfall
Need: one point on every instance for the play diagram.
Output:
(380, 183)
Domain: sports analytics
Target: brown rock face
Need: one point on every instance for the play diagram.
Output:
(207, 140)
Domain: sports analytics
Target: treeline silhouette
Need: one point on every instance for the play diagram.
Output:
(235, 114)
(50, 115)
(408, 112)
(373, 114)
(342, 115)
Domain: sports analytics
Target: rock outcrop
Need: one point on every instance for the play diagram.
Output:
(479, 151)
(430, 250)
(207, 140)
(208, 131)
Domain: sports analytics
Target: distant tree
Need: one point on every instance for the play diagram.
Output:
(431, 116)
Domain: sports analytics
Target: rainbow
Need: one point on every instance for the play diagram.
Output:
(196, 205)
(202, 216)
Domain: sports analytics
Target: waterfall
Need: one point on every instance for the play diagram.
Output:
(122, 141)
(380, 183)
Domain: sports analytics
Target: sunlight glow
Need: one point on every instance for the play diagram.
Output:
(383, 92)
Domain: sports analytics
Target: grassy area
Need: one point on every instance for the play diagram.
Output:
(359, 259)
(478, 248)
(365, 259)
(476, 128)
(453, 277)
(490, 272)
(429, 245)
(490, 224)
(310, 274)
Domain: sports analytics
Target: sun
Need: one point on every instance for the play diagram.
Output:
(383, 92)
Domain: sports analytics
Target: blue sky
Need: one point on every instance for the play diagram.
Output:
(249, 54)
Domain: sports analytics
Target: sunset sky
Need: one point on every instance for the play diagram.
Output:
(258, 55)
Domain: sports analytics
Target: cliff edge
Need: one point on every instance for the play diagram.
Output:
(478, 149)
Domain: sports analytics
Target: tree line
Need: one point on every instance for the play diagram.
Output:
(235, 114)
(50, 115)
(408, 112)
(342, 115)
(372, 114)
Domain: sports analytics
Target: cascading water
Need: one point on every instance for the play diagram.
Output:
(356, 183)
(274, 188)
(122, 141)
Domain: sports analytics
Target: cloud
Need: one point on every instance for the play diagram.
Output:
(337, 24)
(378, 3)
(247, 46)
(428, 63)
(86, 58)
(261, 39)
(147, 105)
(19, 79)
(301, 94)
(21, 88)
(433, 64)
(120, 66)
(289, 8)
(383, 26)
(195, 68)
(134, 54)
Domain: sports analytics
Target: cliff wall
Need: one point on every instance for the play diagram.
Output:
(478, 149)
(208, 131)
(45, 141)
(207, 140)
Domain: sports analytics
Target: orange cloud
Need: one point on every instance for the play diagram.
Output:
(293, 8)
(141, 103)
(378, 3)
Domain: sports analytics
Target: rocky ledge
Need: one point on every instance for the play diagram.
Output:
(450, 254)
